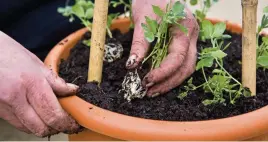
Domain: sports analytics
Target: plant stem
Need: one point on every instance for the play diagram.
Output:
(204, 74)
(228, 73)
(109, 32)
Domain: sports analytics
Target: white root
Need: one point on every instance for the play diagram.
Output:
(113, 52)
(132, 86)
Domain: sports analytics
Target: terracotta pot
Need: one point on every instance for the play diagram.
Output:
(102, 124)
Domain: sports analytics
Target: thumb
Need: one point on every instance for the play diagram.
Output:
(139, 47)
(58, 85)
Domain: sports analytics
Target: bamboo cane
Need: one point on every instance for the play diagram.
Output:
(249, 44)
(98, 40)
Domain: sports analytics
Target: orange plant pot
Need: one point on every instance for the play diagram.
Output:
(102, 124)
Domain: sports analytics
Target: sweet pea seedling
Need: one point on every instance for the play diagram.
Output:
(222, 82)
(159, 32)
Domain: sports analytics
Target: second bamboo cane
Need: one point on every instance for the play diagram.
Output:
(249, 44)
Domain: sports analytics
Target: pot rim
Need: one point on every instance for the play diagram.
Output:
(103, 121)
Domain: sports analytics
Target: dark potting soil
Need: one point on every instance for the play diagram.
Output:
(164, 107)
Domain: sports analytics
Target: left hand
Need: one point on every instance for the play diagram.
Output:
(181, 60)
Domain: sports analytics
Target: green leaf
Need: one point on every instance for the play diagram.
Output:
(200, 15)
(209, 102)
(61, 10)
(218, 54)
(190, 81)
(193, 2)
(152, 24)
(81, 2)
(206, 62)
(207, 3)
(182, 95)
(89, 13)
(207, 28)
(218, 71)
(225, 36)
(265, 40)
(178, 8)
(145, 28)
(158, 11)
(265, 10)
(78, 10)
(247, 92)
(149, 36)
(263, 61)
(182, 28)
(87, 42)
(219, 29)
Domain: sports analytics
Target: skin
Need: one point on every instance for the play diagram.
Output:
(182, 53)
(27, 92)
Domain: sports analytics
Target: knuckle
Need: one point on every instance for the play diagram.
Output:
(181, 56)
(138, 42)
(55, 118)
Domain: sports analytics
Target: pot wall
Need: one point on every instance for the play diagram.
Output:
(106, 125)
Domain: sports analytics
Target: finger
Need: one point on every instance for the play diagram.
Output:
(28, 116)
(58, 85)
(45, 103)
(7, 114)
(179, 76)
(139, 47)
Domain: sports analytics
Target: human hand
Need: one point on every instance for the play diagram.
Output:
(181, 59)
(27, 99)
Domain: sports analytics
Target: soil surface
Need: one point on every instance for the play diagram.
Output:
(167, 106)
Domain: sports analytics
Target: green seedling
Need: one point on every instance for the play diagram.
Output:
(262, 49)
(221, 82)
(83, 10)
(159, 32)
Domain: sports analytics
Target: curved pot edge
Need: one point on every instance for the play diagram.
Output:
(131, 128)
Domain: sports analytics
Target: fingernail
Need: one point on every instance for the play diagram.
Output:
(149, 85)
(73, 86)
(155, 95)
(131, 60)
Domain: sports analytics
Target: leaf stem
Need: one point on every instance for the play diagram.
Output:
(204, 74)
(109, 32)
(228, 73)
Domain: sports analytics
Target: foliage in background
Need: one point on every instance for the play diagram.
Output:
(83, 10)
(159, 32)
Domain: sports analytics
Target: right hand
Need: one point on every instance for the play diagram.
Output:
(27, 87)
